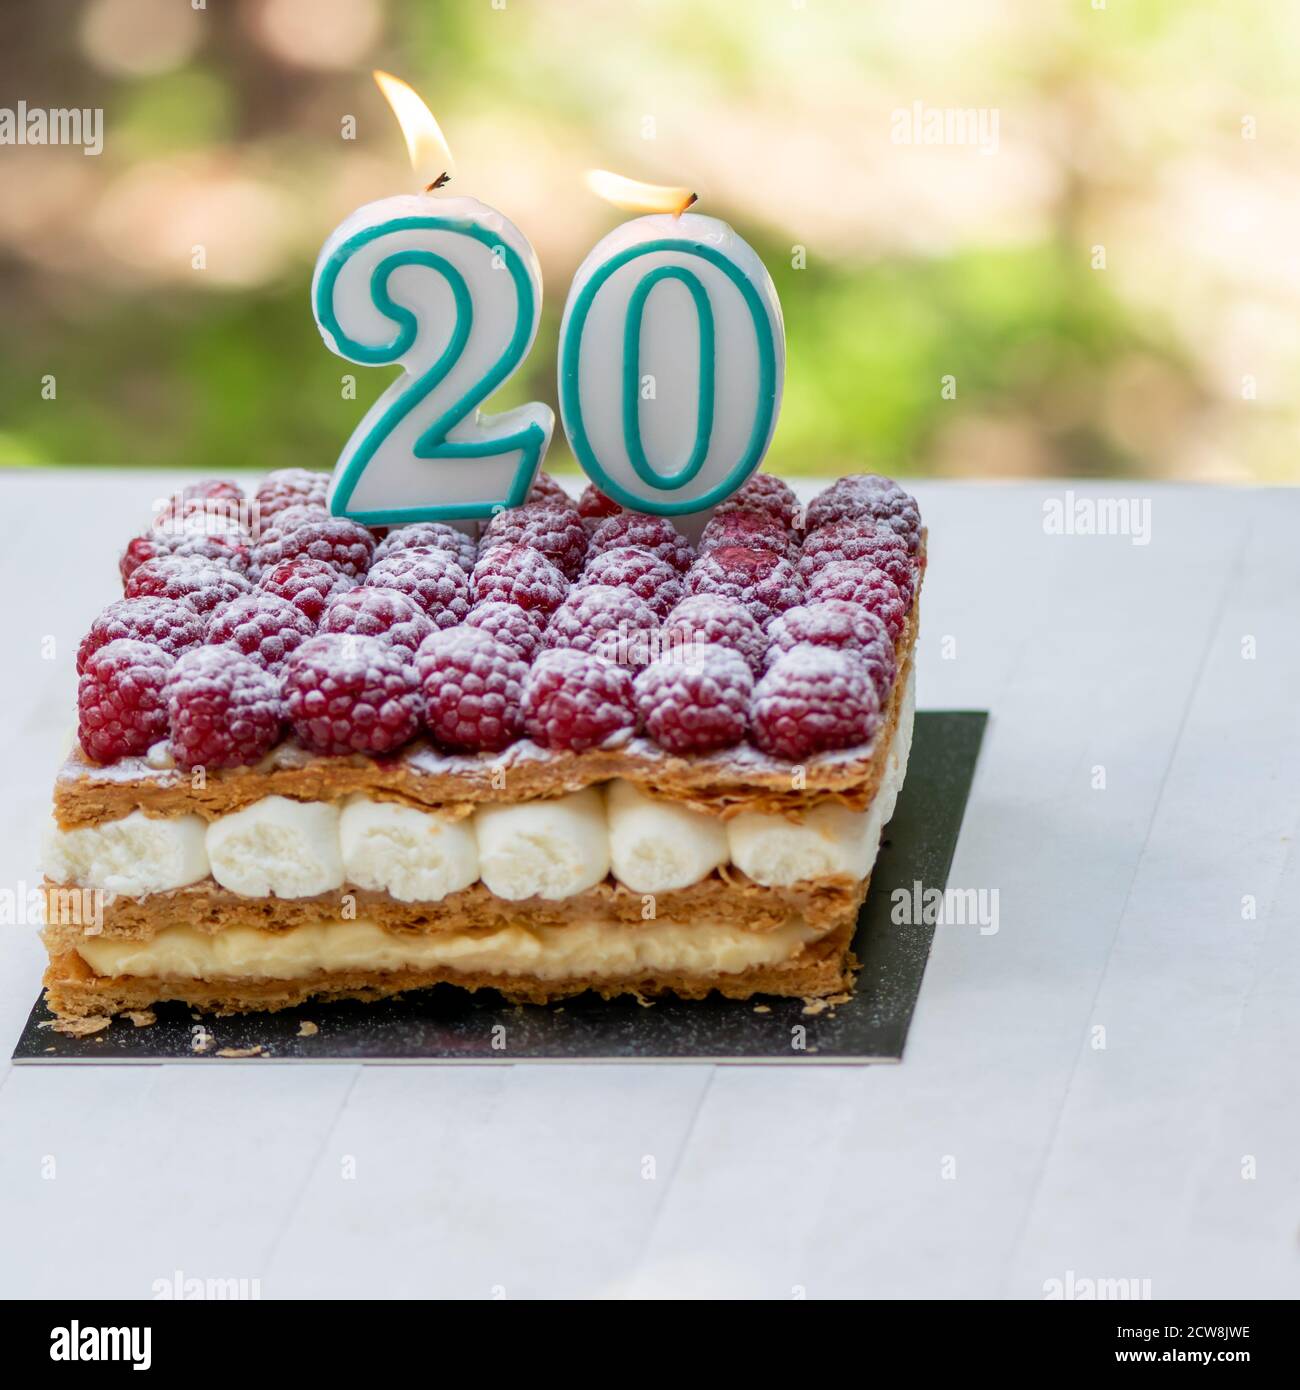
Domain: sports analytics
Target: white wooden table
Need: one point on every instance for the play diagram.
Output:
(1009, 1149)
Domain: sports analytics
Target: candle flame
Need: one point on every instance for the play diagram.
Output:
(430, 156)
(633, 196)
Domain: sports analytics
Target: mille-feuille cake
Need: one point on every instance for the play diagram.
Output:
(572, 753)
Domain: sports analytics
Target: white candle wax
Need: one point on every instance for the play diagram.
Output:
(449, 290)
(672, 363)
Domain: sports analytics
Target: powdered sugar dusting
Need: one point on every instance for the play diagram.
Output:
(863, 549)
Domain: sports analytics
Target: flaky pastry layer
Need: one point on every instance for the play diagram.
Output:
(727, 897)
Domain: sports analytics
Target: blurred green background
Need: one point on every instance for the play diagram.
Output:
(1109, 275)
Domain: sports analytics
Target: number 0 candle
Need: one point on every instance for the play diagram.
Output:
(450, 291)
(672, 355)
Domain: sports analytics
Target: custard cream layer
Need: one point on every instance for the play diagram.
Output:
(582, 950)
(553, 848)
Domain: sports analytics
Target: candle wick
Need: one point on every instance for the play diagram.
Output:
(443, 178)
(690, 202)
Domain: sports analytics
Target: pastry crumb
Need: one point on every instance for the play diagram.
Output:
(829, 1001)
(142, 1018)
(762, 1008)
(81, 1027)
(307, 1029)
(254, 1051)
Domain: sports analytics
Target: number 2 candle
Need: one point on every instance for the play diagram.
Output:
(672, 355)
(450, 291)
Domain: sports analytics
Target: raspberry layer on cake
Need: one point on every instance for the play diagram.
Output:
(574, 752)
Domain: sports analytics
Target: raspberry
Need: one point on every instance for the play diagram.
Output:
(220, 550)
(594, 506)
(556, 531)
(335, 539)
(212, 516)
(864, 541)
(288, 487)
(521, 575)
(430, 578)
(653, 533)
(517, 628)
(845, 627)
(549, 490)
(225, 495)
(200, 583)
(473, 689)
(308, 583)
(764, 492)
(723, 622)
(755, 530)
(868, 495)
(843, 498)
(201, 525)
(121, 710)
(897, 509)
(385, 613)
(166, 623)
(629, 567)
(871, 588)
(814, 700)
(262, 626)
(697, 700)
(578, 700)
(223, 709)
(348, 694)
(764, 582)
(614, 623)
(462, 548)
(299, 514)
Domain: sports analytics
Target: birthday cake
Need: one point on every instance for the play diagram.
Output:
(572, 752)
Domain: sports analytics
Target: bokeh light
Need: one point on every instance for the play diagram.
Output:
(324, 34)
(199, 221)
(138, 38)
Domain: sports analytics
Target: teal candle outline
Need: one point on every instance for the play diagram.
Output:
(432, 443)
(570, 395)
(632, 377)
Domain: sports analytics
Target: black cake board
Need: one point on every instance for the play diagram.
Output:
(445, 1024)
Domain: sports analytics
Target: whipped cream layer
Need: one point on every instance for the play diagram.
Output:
(581, 950)
(552, 848)
(136, 855)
